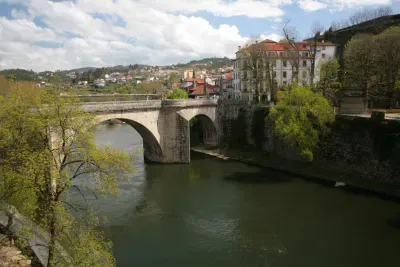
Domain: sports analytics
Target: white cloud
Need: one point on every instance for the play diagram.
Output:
(224, 8)
(153, 31)
(314, 5)
(273, 36)
(19, 14)
(311, 5)
(159, 37)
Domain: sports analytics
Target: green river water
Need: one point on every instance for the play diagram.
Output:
(213, 212)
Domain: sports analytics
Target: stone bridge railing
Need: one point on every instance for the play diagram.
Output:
(144, 104)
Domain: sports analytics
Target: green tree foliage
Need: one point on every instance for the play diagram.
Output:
(174, 78)
(20, 74)
(387, 65)
(46, 142)
(359, 63)
(4, 86)
(300, 118)
(329, 84)
(372, 64)
(177, 93)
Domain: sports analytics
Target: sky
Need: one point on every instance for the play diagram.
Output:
(66, 34)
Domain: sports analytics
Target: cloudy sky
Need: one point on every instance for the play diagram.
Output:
(65, 34)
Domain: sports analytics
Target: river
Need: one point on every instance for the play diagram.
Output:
(213, 212)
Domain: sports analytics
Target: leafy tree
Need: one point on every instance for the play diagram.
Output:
(12, 78)
(359, 60)
(316, 32)
(387, 64)
(19, 74)
(328, 83)
(4, 86)
(174, 78)
(258, 71)
(293, 51)
(300, 118)
(375, 73)
(54, 143)
(177, 93)
(55, 78)
(98, 73)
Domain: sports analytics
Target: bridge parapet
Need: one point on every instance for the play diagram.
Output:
(98, 107)
(188, 103)
(120, 106)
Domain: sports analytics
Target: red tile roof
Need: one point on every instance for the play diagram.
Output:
(229, 76)
(268, 45)
(199, 90)
(318, 43)
(198, 80)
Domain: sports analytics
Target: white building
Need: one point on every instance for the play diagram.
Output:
(280, 56)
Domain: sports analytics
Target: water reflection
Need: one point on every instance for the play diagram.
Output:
(220, 213)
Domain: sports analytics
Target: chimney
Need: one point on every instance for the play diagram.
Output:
(323, 41)
(240, 47)
(256, 41)
(194, 84)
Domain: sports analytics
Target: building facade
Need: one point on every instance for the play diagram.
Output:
(279, 66)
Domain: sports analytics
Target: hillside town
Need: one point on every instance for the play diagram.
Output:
(229, 82)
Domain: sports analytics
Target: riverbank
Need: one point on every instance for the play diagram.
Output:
(306, 170)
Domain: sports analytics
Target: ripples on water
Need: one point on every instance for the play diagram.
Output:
(221, 213)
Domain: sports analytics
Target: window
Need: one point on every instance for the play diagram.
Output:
(284, 63)
(323, 47)
(305, 54)
(304, 74)
(282, 54)
(284, 82)
(271, 54)
(273, 74)
(304, 63)
(284, 74)
(273, 63)
(323, 55)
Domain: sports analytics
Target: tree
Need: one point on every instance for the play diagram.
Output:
(98, 73)
(56, 146)
(328, 83)
(258, 70)
(293, 51)
(18, 148)
(316, 32)
(359, 60)
(300, 118)
(174, 78)
(177, 93)
(387, 64)
(4, 86)
(55, 78)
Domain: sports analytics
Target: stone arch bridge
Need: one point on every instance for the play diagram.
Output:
(163, 124)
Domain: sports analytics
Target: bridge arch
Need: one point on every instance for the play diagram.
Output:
(151, 146)
(203, 131)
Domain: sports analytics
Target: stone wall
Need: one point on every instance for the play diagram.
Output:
(354, 145)
(363, 146)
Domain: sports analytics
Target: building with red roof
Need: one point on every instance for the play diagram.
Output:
(283, 58)
(197, 90)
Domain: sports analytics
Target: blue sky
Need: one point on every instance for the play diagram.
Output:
(41, 34)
